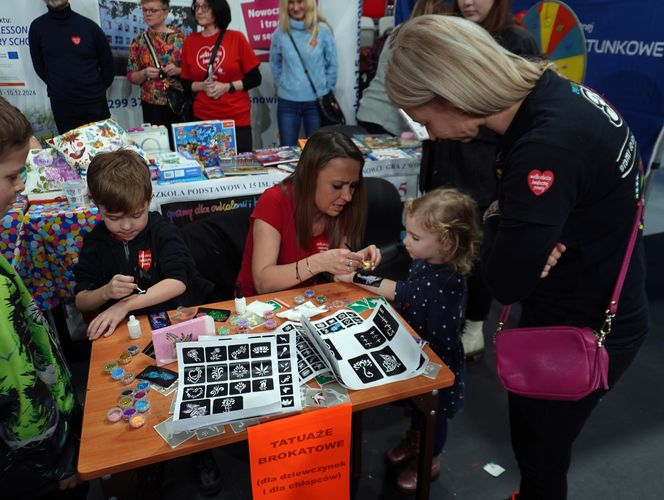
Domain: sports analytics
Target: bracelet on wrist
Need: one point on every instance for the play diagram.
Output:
(297, 271)
(306, 260)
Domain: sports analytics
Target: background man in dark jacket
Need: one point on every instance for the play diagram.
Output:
(71, 54)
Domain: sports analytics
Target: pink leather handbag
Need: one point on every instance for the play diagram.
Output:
(559, 362)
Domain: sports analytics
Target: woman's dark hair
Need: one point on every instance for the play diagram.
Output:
(220, 10)
(321, 147)
(497, 20)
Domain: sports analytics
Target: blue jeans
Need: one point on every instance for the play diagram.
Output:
(290, 115)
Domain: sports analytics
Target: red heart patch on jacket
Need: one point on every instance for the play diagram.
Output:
(76, 40)
(144, 259)
(540, 182)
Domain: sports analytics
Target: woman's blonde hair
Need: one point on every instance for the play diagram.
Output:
(425, 7)
(457, 61)
(311, 17)
(453, 216)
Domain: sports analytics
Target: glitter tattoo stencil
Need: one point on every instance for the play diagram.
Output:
(373, 352)
(234, 378)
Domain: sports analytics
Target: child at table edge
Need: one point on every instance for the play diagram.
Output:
(39, 416)
(442, 235)
(134, 250)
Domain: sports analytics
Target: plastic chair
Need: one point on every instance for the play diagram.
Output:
(217, 243)
(656, 160)
(384, 227)
(385, 24)
(367, 31)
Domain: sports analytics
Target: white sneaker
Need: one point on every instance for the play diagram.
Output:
(472, 338)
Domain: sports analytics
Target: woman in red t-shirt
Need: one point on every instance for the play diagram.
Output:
(307, 224)
(223, 94)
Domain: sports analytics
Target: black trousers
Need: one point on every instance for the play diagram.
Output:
(157, 114)
(544, 431)
(479, 298)
(69, 115)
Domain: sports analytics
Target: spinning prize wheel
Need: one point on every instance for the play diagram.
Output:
(559, 36)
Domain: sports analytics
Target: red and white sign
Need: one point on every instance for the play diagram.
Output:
(144, 259)
(540, 182)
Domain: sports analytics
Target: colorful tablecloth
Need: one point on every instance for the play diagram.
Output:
(51, 236)
(11, 226)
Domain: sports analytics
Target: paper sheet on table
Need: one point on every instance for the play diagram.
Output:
(235, 377)
(378, 351)
(305, 310)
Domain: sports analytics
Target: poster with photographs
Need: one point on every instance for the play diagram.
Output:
(123, 20)
(233, 378)
(377, 351)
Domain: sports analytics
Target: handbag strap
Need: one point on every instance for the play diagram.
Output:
(153, 53)
(622, 274)
(213, 55)
(306, 71)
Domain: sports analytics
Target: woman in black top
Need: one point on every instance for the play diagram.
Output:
(471, 166)
(567, 197)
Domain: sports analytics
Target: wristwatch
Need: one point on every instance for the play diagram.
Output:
(231, 88)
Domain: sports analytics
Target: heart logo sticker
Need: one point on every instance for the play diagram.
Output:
(540, 182)
(76, 40)
(144, 259)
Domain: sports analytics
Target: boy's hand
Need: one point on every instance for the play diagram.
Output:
(119, 287)
(106, 321)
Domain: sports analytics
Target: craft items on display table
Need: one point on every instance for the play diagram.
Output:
(237, 378)
(206, 141)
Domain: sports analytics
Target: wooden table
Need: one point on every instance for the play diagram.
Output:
(114, 447)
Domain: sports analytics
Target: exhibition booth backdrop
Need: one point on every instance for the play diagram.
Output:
(625, 60)
(122, 20)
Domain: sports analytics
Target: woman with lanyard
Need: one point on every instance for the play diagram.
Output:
(221, 87)
(154, 76)
(568, 198)
(303, 54)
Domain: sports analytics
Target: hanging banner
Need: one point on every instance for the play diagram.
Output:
(625, 61)
(305, 456)
(19, 83)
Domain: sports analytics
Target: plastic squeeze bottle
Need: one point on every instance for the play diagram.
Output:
(134, 327)
(240, 301)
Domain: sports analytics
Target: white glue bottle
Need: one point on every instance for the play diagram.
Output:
(240, 301)
(134, 327)
(209, 325)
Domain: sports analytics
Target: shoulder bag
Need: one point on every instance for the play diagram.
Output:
(328, 106)
(559, 362)
(181, 101)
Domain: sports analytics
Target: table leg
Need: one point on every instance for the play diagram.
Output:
(60, 320)
(356, 453)
(427, 406)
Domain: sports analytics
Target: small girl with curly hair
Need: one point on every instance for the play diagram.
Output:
(442, 235)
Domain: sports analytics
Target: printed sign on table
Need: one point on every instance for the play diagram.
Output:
(305, 456)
